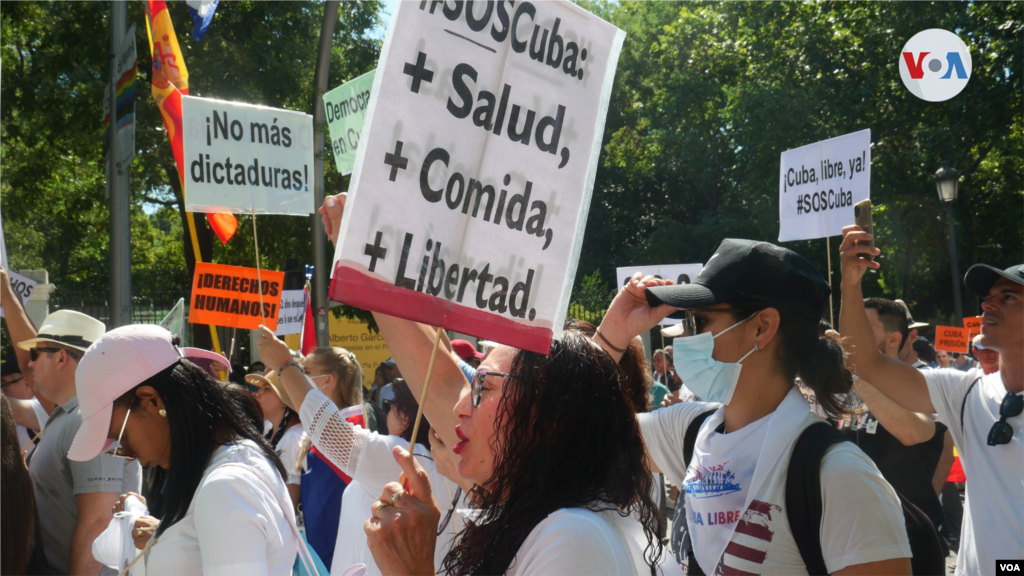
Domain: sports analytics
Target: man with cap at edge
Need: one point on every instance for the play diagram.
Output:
(74, 499)
(982, 411)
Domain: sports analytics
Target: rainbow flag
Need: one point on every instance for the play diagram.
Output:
(170, 81)
(125, 107)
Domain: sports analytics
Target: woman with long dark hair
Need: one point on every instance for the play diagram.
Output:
(363, 455)
(225, 507)
(551, 443)
(751, 320)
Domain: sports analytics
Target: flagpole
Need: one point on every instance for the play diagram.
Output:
(320, 254)
(120, 308)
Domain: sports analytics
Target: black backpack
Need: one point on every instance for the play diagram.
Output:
(803, 503)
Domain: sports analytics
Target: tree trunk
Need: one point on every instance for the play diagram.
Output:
(201, 337)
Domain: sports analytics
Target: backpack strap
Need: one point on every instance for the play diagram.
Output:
(803, 492)
(689, 441)
(690, 438)
(963, 405)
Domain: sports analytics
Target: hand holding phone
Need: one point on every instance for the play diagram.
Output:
(862, 218)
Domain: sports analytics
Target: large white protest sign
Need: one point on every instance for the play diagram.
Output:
(476, 165)
(678, 273)
(819, 184)
(241, 158)
(291, 313)
(346, 109)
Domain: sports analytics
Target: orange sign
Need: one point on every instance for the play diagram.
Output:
(951, 339)
(230, 296)
(973, 325)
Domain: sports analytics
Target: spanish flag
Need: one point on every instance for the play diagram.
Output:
(170, 81)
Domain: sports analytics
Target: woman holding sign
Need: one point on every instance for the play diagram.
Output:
(751, 328)
(552, 446)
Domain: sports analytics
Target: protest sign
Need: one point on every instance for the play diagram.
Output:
(355, 336)
(678, 273)
(230, 296)
(973, 326)
(475, 168)
(346, 109)
(819, 184)
(293, 308)
(22, 286)
(951, 339)
(125, 88)
(242, 158)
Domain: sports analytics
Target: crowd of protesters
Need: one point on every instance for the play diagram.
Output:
(787, 445)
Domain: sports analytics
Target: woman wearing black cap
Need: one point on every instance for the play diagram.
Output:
(751, 320)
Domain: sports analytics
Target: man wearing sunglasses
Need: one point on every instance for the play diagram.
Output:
(74, 499)
(982, 411)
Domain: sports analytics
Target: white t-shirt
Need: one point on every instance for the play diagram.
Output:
(581, 541)
(288, 449)
(717, 483)
(25, 435)
(234, 525)
(862, 520)
(993, 524)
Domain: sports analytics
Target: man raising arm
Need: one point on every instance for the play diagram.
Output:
(982, 411)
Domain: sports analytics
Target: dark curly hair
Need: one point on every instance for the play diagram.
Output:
(636, 374)
(570, 439)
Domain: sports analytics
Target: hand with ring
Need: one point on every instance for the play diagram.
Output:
(403, 530)
(143, 530)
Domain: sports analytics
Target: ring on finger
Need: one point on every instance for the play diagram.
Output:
(138, 531)
(395, 497)
(376, 511)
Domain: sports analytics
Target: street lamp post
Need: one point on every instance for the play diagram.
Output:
(946, 182)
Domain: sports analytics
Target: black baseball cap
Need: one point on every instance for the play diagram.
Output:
(981, 277)
(10, 365)
(759, 271)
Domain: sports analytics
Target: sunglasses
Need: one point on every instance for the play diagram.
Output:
(477, 385)
(12, 382)
(116, 450)
(34, 353)
(694, 324)
(1001, 432)
(254, 388)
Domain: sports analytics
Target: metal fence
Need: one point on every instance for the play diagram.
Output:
(146, 308)
(589, 305)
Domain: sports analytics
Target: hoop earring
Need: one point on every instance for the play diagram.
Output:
(757, 346)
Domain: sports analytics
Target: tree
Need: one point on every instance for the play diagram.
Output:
(708, 95)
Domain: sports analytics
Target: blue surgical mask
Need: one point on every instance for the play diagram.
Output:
(709, 379)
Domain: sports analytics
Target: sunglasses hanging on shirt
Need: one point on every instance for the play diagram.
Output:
(1001, 432)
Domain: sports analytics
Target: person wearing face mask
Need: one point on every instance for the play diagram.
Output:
(751, 319)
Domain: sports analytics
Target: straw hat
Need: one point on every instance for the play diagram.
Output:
(274, 381)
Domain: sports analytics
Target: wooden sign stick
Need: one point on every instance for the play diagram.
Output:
(423, 394)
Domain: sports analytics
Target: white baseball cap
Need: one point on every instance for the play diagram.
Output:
(115, 363)
(976, 343)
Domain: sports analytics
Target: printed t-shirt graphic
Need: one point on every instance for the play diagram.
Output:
(717, 484)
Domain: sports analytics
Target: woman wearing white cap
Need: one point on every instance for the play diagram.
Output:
(226, 507)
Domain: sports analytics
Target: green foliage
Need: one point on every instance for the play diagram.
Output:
(708, 95)
(55, 67)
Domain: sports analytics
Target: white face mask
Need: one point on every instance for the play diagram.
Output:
(709, 379)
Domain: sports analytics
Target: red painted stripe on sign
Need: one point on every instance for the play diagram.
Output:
(756, 530)
(352, 287)
(746, 553)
